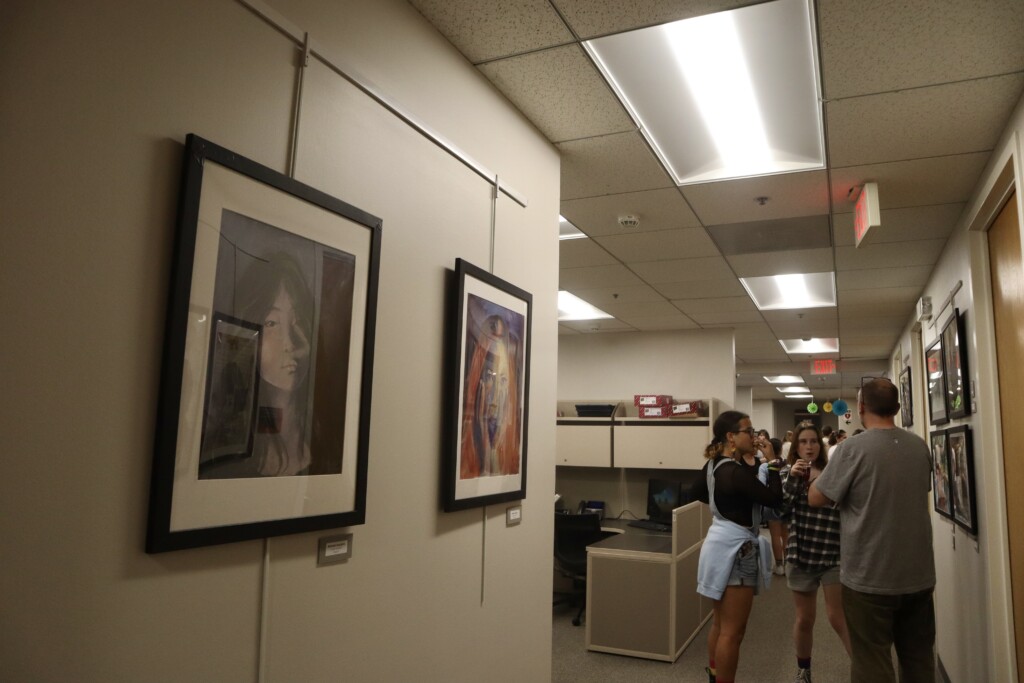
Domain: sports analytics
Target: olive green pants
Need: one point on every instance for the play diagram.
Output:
(877, 623)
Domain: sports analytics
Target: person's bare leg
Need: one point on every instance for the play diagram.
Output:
(733, 611)
(836, 616)
(803, 626)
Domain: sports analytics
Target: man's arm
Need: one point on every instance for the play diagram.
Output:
(817, 499)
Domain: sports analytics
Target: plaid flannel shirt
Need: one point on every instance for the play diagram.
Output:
(813, 532)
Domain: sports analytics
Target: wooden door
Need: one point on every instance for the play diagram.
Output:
(1008, 310)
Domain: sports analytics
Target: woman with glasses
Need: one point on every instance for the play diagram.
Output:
(812, 553)
(735, 561)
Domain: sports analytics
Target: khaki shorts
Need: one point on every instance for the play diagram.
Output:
(807, 580)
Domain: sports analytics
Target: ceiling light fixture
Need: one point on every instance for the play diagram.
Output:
(793, 390)
(571, 307)
(795, 290)
(705, 91)
(819, 345)
(783, 379)
(568, 231)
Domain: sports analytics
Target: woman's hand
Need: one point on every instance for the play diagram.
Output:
(801, 468)
(765, 446)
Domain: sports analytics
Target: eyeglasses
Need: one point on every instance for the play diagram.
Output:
(749, 431)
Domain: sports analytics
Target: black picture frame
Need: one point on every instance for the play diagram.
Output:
(961, 478)
(936, 377)
(263, 416)
(490, 332)
(941, 498)
(906, 398)
(954, 363)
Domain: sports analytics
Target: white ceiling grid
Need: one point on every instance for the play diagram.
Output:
(916, 95)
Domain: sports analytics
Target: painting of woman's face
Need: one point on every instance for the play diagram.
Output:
(284, 355)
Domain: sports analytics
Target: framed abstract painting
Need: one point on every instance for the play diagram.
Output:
(488, 386)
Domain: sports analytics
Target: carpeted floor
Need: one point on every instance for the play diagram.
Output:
(766, 655)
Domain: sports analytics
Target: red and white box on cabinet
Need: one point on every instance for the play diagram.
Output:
(655, 411)
(689, 409)
(651, 400)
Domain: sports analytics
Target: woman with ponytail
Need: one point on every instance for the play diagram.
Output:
(735, 561)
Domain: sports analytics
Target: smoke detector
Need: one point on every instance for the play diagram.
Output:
(629, 221)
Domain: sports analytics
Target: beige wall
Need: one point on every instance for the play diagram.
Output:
(696, 364)
(97, 100)
(972, 596)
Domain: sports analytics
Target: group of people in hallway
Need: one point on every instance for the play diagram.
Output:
(858, 527)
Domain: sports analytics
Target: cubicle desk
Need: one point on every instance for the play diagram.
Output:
(641, 588)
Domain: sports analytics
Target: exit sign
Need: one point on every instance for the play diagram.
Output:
(823, 367)
(866, 214)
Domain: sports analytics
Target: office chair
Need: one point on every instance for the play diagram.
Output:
(573, 533)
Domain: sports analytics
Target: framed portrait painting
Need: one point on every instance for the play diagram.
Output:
(954, 360)
(961, 478)
(488, 386)
(906, 398)
(936, 383)
(940, 474)
(264, 407)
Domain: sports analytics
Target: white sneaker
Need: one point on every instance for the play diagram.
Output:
(780, 569)
(802, 676)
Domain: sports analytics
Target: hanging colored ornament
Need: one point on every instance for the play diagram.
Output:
(812, 407)
(827, 407)
(840, 407)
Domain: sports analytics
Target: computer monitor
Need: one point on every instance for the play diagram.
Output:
(662, 499)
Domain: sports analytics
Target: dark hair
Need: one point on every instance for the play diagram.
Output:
(777, 445)
(727, 422)
(826, 430)
(794, 450)
(880, 397)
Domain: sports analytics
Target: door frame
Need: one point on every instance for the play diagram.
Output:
(986, 420)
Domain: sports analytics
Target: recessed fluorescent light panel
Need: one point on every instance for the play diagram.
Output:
(784, 379)
(797, 290)
(571, 307)
(725, 95)
(793, 390)
(568, 231)
(822, 345)
(798, 396)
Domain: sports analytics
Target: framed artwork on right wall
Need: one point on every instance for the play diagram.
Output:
(961, 478)
(936, 383)
(906, 398)
(954, 362)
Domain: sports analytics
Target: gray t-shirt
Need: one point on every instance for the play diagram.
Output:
(880, 481)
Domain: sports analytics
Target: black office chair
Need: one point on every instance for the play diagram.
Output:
(573, 533)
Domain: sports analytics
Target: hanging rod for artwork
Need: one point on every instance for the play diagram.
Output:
(288, 29)
(947, 302)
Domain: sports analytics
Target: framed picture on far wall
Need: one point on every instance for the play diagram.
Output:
(263, 418)
(961, 477)
(936, 383)
(906, 398)
(940, 474)
(488, 385)
(954, 360)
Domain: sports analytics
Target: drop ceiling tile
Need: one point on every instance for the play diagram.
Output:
(682, 270)
(600, 296)
(656, 209)
(867, 337)
(590, 19)
(866, 350)
(596, 276)
(826, 313)
(560, 92)
(894, 255)
(873, 278)
(902, 225)
(817, 329)
(662, 322)
(606, 325)
(904, 310)
(859, 321)
(691, 307)
(659, 246)
(880, 46)
(610, 164)
(721, 286)
(807, 232)
(923, 122)
(782, 262)
(646, 309)
(758, 332)
(940, 180)
(580, 253)
(484, 31)
(869, 297)
(735, 201)
(727, 317)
